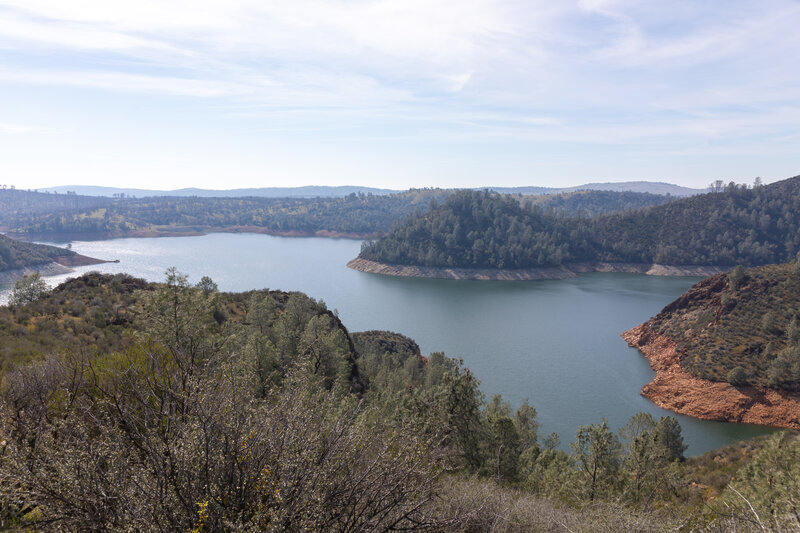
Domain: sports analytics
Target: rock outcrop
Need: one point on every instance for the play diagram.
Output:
(675, 389)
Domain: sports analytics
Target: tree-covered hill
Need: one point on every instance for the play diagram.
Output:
(734, 225)
(478, 230)
(98, 309)
(61, 215)
(17, 205)
(592, 203)
(16, 254)
(742, 327)
(127, 405)
(354, 214)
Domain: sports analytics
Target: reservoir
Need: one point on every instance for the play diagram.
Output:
(555, 342)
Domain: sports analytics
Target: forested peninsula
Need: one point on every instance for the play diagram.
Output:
(729, 348)
(200, 410)
(699, 235)
(18, 258)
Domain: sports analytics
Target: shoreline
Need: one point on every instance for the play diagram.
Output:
(60, 265)
(482, 274)
(677, 390)
(528, 274)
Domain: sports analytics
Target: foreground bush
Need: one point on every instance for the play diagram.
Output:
(138, 447)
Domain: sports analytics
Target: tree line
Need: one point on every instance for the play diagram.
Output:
(29, 213)
(361, 214)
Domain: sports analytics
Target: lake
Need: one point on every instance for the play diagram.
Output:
(555, 342)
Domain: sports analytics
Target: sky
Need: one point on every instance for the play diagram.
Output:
(397, 93)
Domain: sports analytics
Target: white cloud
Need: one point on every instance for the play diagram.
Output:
(494, 52)
(47, 33)
(601, 72)
(6, 127)
(126, 82)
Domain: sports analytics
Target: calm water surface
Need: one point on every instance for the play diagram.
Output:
(556, 342)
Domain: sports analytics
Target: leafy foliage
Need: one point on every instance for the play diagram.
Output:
(28, 289)
(767, 489)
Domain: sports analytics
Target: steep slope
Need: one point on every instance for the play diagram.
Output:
(729, 348)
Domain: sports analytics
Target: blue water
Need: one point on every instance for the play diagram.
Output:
(554, 342)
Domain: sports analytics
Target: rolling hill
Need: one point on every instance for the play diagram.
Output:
(483, 230)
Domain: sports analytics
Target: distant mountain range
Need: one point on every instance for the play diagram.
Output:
(624, 186)
(313, 191)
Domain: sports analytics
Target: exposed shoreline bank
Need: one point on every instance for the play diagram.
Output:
(528, 274)
(676, 389)
(60, 265)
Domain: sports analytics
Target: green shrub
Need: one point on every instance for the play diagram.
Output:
(737, 377)
(736, 277)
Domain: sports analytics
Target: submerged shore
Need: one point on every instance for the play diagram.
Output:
(528, 274)
(676, 389)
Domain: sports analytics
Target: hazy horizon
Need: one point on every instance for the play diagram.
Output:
(397, 94)
(349, 185)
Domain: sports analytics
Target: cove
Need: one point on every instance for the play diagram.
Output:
(555, 342)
